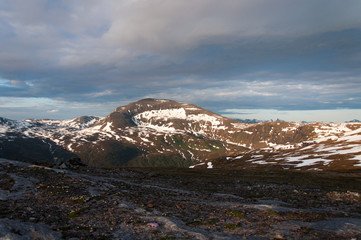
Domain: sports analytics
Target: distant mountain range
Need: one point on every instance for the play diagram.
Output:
(153, 132)
(249, 120)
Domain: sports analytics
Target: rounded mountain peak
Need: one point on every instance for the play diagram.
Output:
(159, 112)
(149, 104)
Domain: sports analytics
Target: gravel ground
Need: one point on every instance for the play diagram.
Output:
(38, 202)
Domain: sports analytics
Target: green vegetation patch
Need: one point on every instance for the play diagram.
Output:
(272, 212)
(232, 226)
(236, 213)
(78, 200)
(179, 142)
(213, 221)
(76, 213)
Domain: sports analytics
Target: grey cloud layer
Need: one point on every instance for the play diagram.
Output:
(198, 51)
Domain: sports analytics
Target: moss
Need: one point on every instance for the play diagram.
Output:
(257, 195)
(73, 214)
(272, 212)
(86, 228)
(213, 221)
(97, 197)
(233, 226)
(167, 238)
(76, 213)
(236, 213)
(65, 228)
(140, 223)
(195, 223)
(78, 200)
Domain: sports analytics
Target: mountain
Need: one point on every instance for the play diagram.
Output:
(27, 141)
(248, 120)
(331, 146)
(154, 132)
(149, 132)
(354, 120)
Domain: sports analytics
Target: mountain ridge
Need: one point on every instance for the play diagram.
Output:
(161, 132)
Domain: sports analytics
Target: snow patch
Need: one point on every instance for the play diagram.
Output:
(205, 118)
(175, 113)
(3, 129)
(192, 109)
(306, 162)
(128, 139)
(199, 164)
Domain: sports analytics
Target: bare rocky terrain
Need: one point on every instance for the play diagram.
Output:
(44, 202)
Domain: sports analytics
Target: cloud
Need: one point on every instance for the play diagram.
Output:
(100, 94)
(283, 92)
(167, 25)
(251, 53)
(75, 33)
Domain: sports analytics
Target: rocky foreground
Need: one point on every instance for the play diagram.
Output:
(38, 202)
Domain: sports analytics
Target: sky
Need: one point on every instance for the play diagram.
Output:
(296, 60)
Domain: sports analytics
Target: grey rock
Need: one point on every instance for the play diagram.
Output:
(16, 230)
